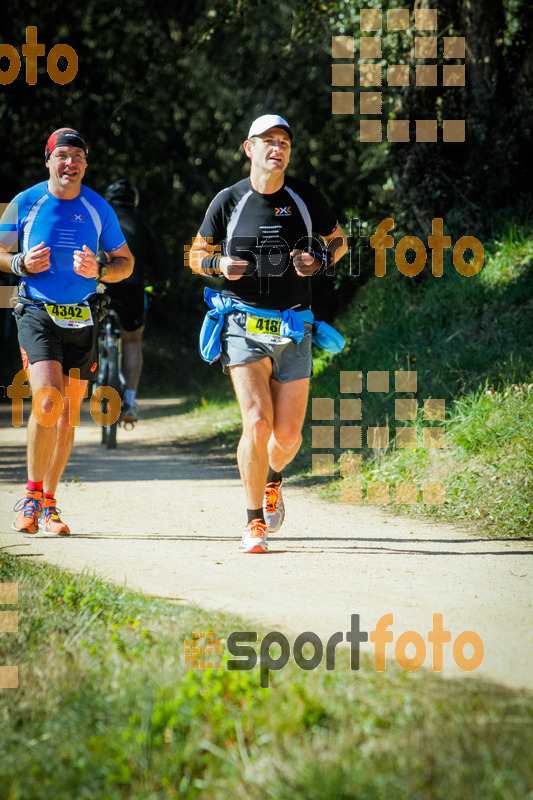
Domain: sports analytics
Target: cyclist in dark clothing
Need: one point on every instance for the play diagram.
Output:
(127, 297)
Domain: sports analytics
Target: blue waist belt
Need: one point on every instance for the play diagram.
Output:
(292, 325)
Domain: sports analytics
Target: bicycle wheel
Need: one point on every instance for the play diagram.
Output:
(109, 432)
(114, 383)
(104, 408)
(111, 436)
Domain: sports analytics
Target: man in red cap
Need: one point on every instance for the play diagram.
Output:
(60, 224)
(266, 223)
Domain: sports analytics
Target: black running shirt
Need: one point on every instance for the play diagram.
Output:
(263, 229)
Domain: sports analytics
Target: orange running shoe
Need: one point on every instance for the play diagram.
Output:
(254, 538)
(273, 507)
(50, 524)
(29, 508)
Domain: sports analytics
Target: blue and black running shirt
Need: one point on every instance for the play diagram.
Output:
(263, 229)
(64, 226)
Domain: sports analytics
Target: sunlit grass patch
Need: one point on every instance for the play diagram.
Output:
(107, 708)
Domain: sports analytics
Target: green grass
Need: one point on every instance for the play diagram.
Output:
(456, 332)
(106, 709)
(213, 418)
(487, 465)
(470, 341)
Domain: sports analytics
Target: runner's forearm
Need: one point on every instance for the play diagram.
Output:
(336, 244)
(118, 269)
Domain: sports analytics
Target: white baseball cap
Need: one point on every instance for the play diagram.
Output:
(267, 121)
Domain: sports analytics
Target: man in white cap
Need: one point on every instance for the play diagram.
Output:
(262, 314)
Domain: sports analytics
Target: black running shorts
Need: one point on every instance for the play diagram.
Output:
(41, 339)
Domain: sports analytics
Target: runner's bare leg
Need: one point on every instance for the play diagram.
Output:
(252, 388)
(290, 403)
(132, 356)
(41, 438)
(65, 429)
(49, 447)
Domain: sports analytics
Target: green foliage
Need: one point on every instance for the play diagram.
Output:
(120, 723)
(165, 93)
(456, 332)
(470, 341)
(487, 466)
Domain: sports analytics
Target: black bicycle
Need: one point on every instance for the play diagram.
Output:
(110, 355)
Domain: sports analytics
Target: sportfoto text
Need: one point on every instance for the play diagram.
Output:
(51, 398)
(238, 645)
(32, 50)
(380, 242)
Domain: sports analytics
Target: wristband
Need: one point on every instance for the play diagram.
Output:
(102, 270)
(18, 267)
(211, 265)
(325, 257)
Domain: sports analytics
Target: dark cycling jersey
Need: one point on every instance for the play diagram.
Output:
(147, 246)
(263, 229)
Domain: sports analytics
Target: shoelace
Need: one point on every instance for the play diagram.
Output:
(257, 529)
(272, 497)
(53, 513)
(24, 503)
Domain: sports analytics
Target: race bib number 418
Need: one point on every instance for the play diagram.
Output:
(265, 330)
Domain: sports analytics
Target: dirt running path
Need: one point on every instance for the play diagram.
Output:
(165, 519)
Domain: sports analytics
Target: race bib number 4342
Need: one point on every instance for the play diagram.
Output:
(78, 316)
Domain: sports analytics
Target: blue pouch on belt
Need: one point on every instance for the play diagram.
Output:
(210, 345)
(327, 338)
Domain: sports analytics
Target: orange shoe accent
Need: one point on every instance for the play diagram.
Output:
(272, 496)
(256, 528)
(29, 508)
(50, 522)
(254, 538)
(273, 506)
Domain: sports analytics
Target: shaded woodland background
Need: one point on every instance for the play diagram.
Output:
(166, 90)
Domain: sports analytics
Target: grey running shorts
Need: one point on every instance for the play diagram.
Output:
(290, 361)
